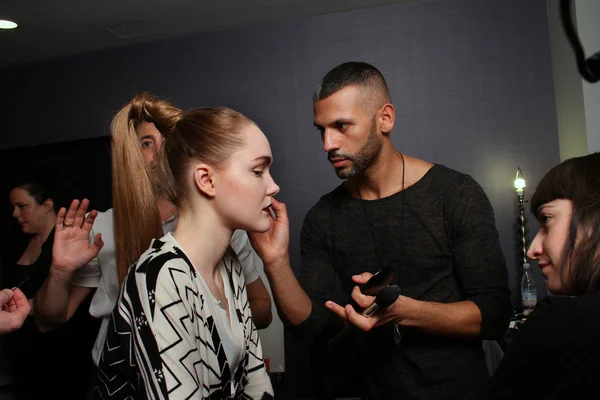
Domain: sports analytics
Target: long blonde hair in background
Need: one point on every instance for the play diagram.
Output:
(136, 216)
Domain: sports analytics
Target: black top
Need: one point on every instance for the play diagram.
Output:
(439, 236)
(554, 354)
(36, 273)
(57, 364)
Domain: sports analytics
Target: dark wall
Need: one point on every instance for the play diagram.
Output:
(471, 81)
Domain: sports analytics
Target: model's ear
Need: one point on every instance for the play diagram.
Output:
(204, 178)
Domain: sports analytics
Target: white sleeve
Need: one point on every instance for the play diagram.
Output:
(88, 275)
(251, 262)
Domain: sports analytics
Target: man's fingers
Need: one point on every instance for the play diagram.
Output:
(280, 210)
(360, 299)
(361, 322)
(362, 278)
(337, 309)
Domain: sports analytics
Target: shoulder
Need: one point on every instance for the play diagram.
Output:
(239, 239)
(562, 307)
(558, 317)
(164, 257)
(105, 216)
(457, 188)
(329, 201)
(440, 175)
(160, 251)
(232, 262)
(104, 222)
(340, 192)
(163, 275)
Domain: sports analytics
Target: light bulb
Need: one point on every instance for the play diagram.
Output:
(6, 24)
(519, 181)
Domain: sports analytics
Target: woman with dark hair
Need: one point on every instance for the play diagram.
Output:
(34, 207)
(556, 351)
(41, 362)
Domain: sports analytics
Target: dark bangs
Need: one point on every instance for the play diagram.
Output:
(556, 184)
(578, 180)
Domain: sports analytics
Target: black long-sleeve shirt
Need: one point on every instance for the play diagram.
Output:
(439, 237)
(554, 354)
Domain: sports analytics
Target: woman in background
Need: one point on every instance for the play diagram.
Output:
(34, 209)
(556, 351)
(43, 365)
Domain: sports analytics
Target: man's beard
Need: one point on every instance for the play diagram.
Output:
(362, 159)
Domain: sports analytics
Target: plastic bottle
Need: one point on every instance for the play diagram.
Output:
(528, 290)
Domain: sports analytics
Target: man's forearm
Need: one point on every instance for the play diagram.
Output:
(460, 319)
(261, 313)
(52, 300)
(293, 304)
(260, 303)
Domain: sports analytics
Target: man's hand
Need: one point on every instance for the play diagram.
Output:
(272, 246)
(349, 315)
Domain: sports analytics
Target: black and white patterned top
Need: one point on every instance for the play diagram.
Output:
(162, 341)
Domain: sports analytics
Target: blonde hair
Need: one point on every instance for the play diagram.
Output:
(207, 134)
(136, 216)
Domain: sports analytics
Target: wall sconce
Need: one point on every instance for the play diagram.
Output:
(528, 289)
(520, 188)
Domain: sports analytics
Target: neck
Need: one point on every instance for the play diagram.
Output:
(383, 177)
(165, 207)
(48, 226)
(204, 238)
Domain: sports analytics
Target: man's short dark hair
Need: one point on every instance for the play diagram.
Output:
(352, 73)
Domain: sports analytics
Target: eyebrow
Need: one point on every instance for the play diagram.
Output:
(547, 207)
(335, 122)
(147, 137)
(265, 159)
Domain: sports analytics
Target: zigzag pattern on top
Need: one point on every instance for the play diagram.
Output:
(163, 342)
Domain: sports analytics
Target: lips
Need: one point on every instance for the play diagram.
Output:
(338, 162)
(543, 266)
